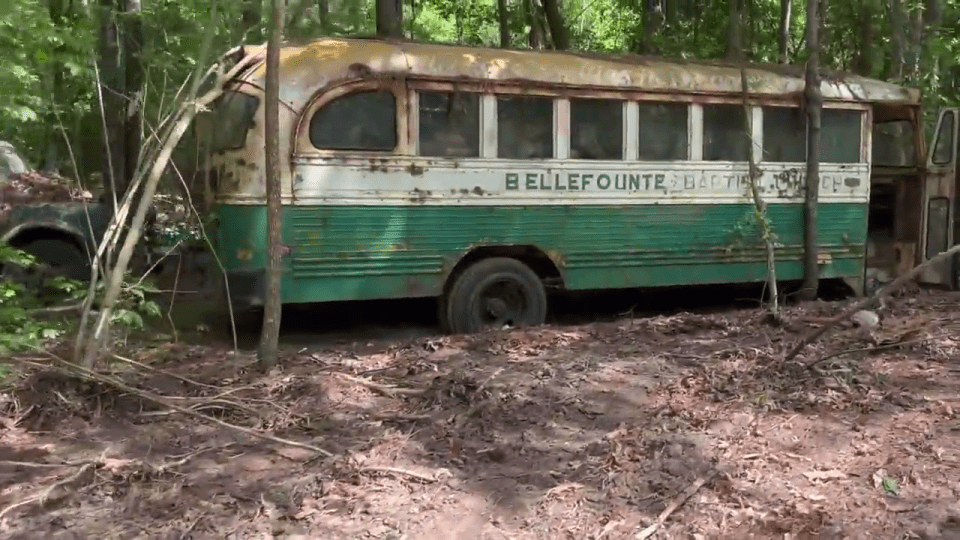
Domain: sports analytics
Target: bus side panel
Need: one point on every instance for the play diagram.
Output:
(367, 252)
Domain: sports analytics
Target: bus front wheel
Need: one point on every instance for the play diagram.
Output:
(495, 293)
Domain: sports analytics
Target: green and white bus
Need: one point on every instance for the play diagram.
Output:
(486, 177)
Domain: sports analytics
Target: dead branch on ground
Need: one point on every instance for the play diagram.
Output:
(85, 373)
(677, 503)
(876, 298)
(389, 391)
(48, 493)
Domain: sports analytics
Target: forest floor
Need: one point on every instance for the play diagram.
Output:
(561, 432)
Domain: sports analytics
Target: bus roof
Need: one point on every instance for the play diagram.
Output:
(305, 68)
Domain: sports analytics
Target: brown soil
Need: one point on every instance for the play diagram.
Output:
(583, 432)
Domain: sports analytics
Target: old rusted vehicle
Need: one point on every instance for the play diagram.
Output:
(43, 215)
(485, 177)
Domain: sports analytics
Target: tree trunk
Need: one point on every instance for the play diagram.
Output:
(251, 16)
(323, 12)
(533, 19)
(897, 23)
(863, 60)
(814, 101)
(112, 89)
(734, 31)
(558, 30)
(783, 36)
(132, 47)
(504, 18)
(390, 18)
(270, 334)
(653, 18)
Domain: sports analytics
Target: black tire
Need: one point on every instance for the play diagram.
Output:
(494, 293)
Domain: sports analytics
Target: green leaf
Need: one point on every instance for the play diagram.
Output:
(890, 485)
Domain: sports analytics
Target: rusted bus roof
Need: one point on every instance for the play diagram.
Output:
(307, 67)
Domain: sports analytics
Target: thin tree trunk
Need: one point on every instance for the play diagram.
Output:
(558, 30)
(323, 12)
(653, 18)
(132, 46)
(390, 18)
(734, 31)
(896, 40)
(814, 101)
(252, 15)
(863, 61)
(533, 19)
(503, 16)
(112, 81)
(270, 334)
(783, 35)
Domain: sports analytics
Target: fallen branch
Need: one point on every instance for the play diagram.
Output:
(402, 472)
(389, 391)
(677, 503)
(875, 298)
(89, 374)
(819, 361)
(45, 494)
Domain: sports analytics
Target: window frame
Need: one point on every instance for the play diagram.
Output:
(303, 146)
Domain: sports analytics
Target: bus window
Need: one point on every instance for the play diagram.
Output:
(596, 129)
(233, 114)
(893, 144)
(784, 135)
(525, 127)
(840, 136)
(725, 133)
(663, 132)
(359, 121)
(943, 152)
(449, 124)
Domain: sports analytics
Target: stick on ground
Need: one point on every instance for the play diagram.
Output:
(876, 297)
(677, 503)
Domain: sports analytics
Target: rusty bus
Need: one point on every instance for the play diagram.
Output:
(486, 177)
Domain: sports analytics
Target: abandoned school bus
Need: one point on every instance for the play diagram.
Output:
(486, 177)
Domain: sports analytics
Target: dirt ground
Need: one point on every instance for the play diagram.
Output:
(559, 432)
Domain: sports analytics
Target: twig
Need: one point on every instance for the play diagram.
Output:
(402, 472)
(389, 391)
(186, 532)
(876, 297)
(677, 503)
(817, 362)
(85, 373)
(42, 496)
(161, 372)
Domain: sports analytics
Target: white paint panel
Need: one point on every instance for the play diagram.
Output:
(500, 182)
(695, 132)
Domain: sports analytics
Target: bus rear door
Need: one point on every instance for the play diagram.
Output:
(939, 189)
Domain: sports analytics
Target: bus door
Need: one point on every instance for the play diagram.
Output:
(939, 189)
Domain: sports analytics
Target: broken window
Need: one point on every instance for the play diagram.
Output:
(359, 121)
(840, 132)
(525, 127)
(663, 132)
(784, 135)
(894, 144)
(943, 151)
(725, 133)
(596, 129)
(449, 124)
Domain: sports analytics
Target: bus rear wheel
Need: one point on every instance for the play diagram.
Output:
(495, 293)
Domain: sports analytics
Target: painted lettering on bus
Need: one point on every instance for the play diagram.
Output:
(790, 181)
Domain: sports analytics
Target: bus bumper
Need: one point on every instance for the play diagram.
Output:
(247, 289)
